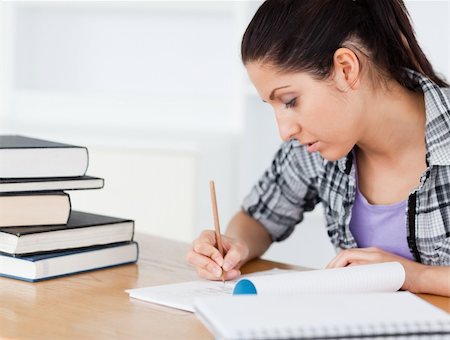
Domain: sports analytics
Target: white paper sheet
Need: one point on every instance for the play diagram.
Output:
(182, 295)
(379, 277)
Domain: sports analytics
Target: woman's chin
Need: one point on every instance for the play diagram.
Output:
(332, 155)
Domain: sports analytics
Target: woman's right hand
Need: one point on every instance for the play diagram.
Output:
(209, 264)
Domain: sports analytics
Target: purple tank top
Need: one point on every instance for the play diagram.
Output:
(382, 226)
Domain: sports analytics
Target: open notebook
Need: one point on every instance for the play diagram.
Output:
(182, 295)
(322, 316)
(382, 277)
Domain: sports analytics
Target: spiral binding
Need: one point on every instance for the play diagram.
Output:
(402, 330)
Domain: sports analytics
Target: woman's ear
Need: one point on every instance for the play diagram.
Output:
(346, 69)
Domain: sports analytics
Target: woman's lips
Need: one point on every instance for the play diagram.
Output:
(312, 147)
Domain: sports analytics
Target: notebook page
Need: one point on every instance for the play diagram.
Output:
(182, 295)
(380, 277)
(320, 315)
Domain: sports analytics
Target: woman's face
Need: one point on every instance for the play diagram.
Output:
(321, 114)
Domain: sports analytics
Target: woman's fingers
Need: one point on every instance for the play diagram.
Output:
(233, 258)
(230, 275)
(205, 274)
(205, 257)
(208, 261)
(206, 245)
(205, 263)
(208, 250)
(359, 256)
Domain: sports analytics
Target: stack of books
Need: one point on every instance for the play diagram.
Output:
(41, 237)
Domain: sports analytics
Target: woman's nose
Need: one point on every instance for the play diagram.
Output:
(287, 128)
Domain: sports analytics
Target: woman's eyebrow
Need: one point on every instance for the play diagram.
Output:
(272, 94)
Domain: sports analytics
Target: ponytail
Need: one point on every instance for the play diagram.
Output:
(296, 35)
(395, 46)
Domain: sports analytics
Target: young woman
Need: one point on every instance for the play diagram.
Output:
(366, 128)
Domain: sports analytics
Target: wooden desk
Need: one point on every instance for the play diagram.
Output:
(94, 305)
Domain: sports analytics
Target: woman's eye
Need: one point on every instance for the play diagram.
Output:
(290, 103)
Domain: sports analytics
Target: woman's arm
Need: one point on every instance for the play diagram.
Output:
(434, 280)
(249, 232)
(420, 278)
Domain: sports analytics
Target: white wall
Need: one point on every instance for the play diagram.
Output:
(149, 87)
(5, 76)
(148, 65)
(431, 21)
(157, 92)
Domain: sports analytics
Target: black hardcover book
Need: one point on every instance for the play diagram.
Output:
(82, 230)
(34, 208)
(50, 184)
(25, 157)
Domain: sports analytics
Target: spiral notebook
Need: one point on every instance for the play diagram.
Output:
(322, 316)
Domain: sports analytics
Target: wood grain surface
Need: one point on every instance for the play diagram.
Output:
(95, 305)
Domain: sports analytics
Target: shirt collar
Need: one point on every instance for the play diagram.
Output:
(345, 164)
(437, 129)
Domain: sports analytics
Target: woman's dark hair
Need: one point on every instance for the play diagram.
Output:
(302, 35)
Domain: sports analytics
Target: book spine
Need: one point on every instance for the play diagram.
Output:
(70, 207)
(87, 161)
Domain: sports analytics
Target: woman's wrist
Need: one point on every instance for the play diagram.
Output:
(428, 279)
(417, 277)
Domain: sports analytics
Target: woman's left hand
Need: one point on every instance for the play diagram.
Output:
(357, 256)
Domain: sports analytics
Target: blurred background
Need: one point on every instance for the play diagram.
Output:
(157, 92)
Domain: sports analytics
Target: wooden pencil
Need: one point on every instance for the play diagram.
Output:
(212, 189)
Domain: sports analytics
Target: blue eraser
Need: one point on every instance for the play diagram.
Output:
(244, 286)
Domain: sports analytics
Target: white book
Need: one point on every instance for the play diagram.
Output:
(35, 208)
(25, 157)
(322, 316)
(50, 184)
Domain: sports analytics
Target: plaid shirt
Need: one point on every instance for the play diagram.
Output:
(297, 180)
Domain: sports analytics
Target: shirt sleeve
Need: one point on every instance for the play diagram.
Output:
(444, 253)
(285, 191)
